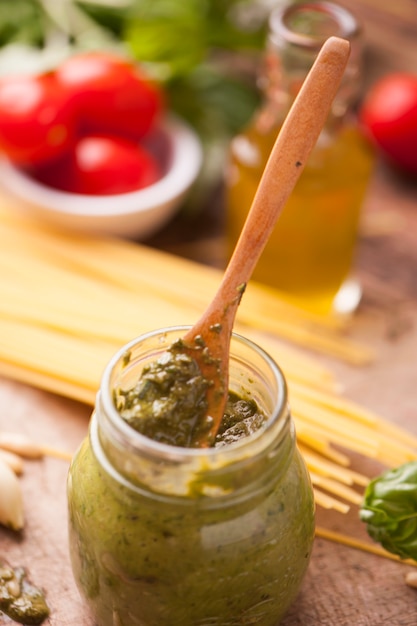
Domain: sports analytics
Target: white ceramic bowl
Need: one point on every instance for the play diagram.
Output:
(137, 214)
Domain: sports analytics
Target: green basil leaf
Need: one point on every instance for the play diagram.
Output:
(389, 509)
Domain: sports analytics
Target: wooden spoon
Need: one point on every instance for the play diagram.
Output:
(208, 341)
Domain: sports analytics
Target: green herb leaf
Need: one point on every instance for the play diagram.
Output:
(204, 54)
(390, 510)
(23, 24)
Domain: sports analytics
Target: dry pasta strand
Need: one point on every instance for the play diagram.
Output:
(328, 502)
(351, 542)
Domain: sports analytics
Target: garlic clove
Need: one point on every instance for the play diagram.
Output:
(11, 498)
(20, 444)
(411, 579)
(14, 461)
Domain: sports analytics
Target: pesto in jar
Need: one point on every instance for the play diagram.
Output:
(168, 404)
(167, 535)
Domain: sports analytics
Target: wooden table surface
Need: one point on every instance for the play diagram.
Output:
(343, 587)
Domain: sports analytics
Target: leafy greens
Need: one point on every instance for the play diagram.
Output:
(389, 509)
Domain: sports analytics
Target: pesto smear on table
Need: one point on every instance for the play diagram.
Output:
(19, 599)
(168, 404)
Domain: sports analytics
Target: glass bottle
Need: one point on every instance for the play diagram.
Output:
(310, 253)
(161, 535)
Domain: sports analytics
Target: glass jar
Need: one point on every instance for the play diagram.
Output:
(310, 253)
(163, 536)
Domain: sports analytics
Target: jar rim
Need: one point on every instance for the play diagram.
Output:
(280, 24)
(136, 441)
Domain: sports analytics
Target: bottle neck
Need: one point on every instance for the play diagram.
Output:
(296, 34)
(231, 472)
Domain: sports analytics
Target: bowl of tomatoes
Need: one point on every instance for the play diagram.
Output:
(91, 146)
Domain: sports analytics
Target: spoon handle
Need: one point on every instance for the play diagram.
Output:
(293, 145)
(288, 157)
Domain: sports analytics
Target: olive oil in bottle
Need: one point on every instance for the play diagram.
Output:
(311, 251)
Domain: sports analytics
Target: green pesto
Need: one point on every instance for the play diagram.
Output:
(168, 404)
(19, 599)
(216, 328)
(140, 560)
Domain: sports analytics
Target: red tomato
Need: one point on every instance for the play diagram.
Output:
(102, 165)
(58, 174)
(36, 119)
(110, 94)
(389, 117)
